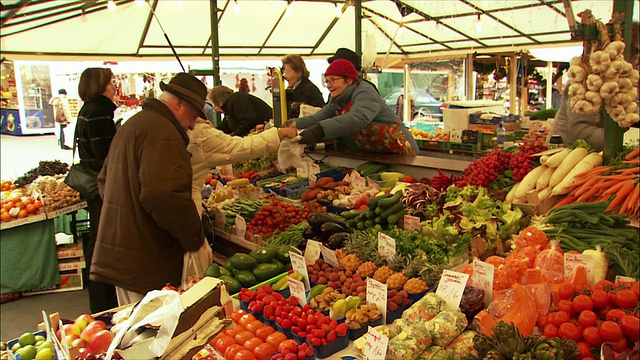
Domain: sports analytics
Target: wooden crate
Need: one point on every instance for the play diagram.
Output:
(70, 280)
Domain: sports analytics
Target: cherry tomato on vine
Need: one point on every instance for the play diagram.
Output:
(570, 331)
(587, 318)
(582, 303)
(599, 298)
(610, 331)
(592, 336)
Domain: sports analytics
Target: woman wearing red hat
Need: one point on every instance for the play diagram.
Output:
(357, 111)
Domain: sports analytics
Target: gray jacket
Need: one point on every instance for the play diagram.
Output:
(572, 126)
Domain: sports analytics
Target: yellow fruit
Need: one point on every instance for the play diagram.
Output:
(383, 274)
(415, 285)
(45, 354)
(27, 339)
(396, 281)
(28, 352)
(350, 262)
(366, 269)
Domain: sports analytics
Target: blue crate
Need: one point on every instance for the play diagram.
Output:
(336, 174)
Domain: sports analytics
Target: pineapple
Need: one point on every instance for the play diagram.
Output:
(415, 285)
(396, 281)
(366, 269)
(383, 274)
(340, 254)
(350, 262)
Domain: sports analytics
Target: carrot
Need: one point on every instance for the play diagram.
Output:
(634, 153)
(615, 188)
(621, 195)
(633, 199)
(588, 195)
(570, 199)
(587, 185)
(632, 161)
(631, 170)
(619, 177)
(596, 170)
(625, 205)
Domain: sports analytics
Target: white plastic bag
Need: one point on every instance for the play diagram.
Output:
(195, 264)
(290, 154)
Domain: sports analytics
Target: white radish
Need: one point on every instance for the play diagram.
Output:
(512, 194)
(529, 182)
(556, 159)
(543, 180)
(544, 158)
(587, 163)
(567, 164)
(544, 193)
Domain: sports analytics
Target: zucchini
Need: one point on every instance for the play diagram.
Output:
(378, 210)
(392, 210)
(246, 278)
(242, 261)
(361, 225)
(390, 201)
(263, 255)
(369, 223)
(371, 213)
(394, 218)
(373, 202)
(264, 272)
(351, 214)
(378, 220)
(233, 285)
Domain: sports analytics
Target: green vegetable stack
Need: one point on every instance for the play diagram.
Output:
(384, 213)
(246, 270)
(370, 168)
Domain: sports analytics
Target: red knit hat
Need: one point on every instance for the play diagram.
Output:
(342, 67)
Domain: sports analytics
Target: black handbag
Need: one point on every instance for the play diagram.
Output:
(82, 179)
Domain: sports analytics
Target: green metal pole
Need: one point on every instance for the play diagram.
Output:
(215, 51)
(613, 133)
(358, 11)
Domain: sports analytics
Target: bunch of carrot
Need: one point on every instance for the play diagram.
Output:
(603, 182)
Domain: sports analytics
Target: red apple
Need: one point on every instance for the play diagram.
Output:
(83, 320)
(71, 338)
(92, 329)
(70, 329)
(100, 342)
(78, 343)
(84, 352)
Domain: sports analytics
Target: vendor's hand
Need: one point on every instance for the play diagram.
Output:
(287, 133)
(312, 135)
(258, 129)
(289, 124)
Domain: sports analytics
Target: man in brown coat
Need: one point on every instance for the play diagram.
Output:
(148, 218)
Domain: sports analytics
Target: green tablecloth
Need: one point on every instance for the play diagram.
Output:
(63, 223)
(28, 257)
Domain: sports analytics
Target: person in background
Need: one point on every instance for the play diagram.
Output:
(149, 219)
(242, 111)
(210, 112)
(94, 131)
(62, 114)
(300, 89)
(400, 106)
(358, 111)
(344, 53)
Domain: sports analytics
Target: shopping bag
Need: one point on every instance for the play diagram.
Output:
(290, 154)
(83, 180)
(195, 264)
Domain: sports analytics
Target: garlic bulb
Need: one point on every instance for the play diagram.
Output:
(614, 70)
(614, 49)
(593, 97)
(599, 61)
(594, 82)
(608, 89)
(621, 99)
(576, 74)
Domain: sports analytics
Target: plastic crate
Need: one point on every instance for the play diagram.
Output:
(294, 191)
(430, 144)
(463, 147)
(469, 137)
(331, 208)
(336, 174)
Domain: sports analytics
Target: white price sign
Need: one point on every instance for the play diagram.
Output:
(312, 252)
(620, 278)
(312, 179)
(573, 261)
(375, 346)
(219, 185)
(377, 294)
(303, 171)
(451, 287)
(386, 246)
(483, 279)
(299, 265)
(296, 289)
(219, 219)
(227, 170)
(357, 181)
(411, 222)
(241, 227)
(313, 168)
(329, 256)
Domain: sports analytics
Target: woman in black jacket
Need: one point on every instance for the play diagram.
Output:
(94, 131)
(300, 89)
(242, 112)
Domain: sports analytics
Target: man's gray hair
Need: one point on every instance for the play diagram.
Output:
(167, 96)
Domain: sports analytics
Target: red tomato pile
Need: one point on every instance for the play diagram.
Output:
(279, 216)
(293, 351)
(606, 313)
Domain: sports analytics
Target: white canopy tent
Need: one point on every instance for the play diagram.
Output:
(121, 29)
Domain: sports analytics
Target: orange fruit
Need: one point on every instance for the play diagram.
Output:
(6, 216)
(31, 208)
(19, 204)
(15, 200)
(12, 187)
(213, 182)
(38, 204)
(23, 214)
(208, 178)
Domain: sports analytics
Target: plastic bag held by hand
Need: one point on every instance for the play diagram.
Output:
(290, 153)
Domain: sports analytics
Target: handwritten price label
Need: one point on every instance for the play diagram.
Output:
(573, 261)
(411, 222)
(375, 346)
(620, 278)
(451, 287)
(241, 227)
(313, 179)
(296, 289)
(303, 171)
(313, 168)
(219, 219)
(312, 251)
(299, 265)
(483, 279)
(329, 256)
(386, 246)
(357, 181)
(377, 294)
(219, 186)
(227, 170)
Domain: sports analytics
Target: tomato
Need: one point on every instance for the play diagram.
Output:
(252, 343)
(560, 318)
(570, 331)
(236, 315)
(264, 351)
(550, 331)
(592, 336)
(276, 338)
(584, 349)
(615, 314)
(231, 351)
(254, 325)
(626, 299)
(213, 341)
(223, 343)
(244, 354)
(234, 331)
(287, 343)
(602, 285)
(246, 319)
(243, 336)
(566, 306)
(634, 288)
(582, 303)
(619, 345)
(542, 321)
(599, 298)
(610, 331)
(566, 291)
(630, 325)
(587, 318)
(263, 332)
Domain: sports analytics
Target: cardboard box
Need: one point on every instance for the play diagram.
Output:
(70, 280)
(69, 251)
(456, 117)
(533, 205)
(71, 264)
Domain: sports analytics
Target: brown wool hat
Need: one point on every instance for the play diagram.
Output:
(187, 87)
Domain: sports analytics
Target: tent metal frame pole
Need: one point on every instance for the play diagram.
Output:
(358, 26)
(215, 51)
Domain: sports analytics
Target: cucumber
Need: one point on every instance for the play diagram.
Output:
(352, 223)
(351, 214)
(371, 213)
(242, 261)
(378, 210)
(245, 278)
(392, 210)
(373, 202)
(390, 201)
(369, 223)
(378, 220)
(394, 218)
(283, 253)
(263, 255)
(233, 285)
(361, 225)
(264, 272)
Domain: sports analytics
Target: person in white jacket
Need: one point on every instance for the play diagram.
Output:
(210, 147)
(62, 115)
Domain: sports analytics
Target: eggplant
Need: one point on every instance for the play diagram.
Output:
(337, 240)
(316, 219)
(327, 229)
(309, 233)
(302, 245)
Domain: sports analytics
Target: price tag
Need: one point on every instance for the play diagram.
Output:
(483, 279)
(241, 227)
(312, 252)
(219, 219)
(373, 184)
(357, 181)
(348, 177)
(303, 171)
(573, 261)
(451, 287)
(227, 170)
(620, 278)
(375, 346)
(329, 256)
(411, 222)
(377, 294)
(299, 265)
(313, 168)
(219, 185)
(386, 246)
(296, 289)
(312, 179)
